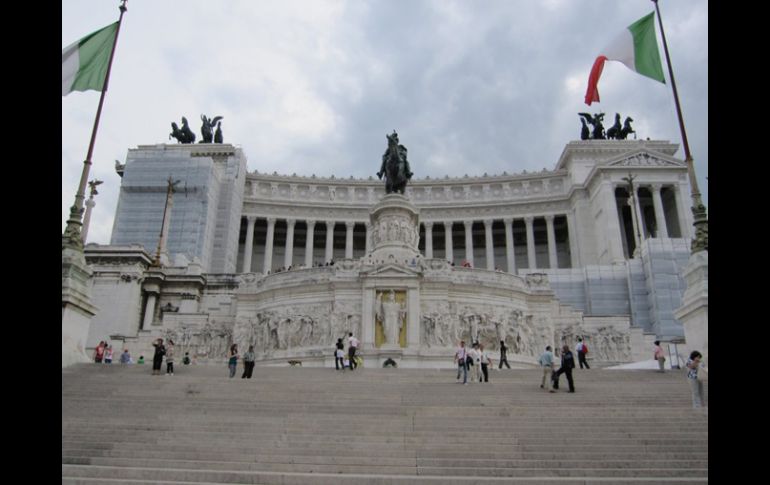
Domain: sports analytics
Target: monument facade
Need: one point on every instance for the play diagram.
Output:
(291, 263)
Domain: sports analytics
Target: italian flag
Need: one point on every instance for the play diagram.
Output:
(636, 47)
(84, 63)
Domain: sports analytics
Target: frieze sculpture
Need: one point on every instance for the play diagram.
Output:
(206, 128)
(395, 166)
(596, 122)
(183, 135)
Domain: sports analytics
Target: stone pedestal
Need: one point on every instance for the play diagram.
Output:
(77, 309)
(694, 312)
(395, 231)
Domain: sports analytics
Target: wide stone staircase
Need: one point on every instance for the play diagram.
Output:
(315, 426)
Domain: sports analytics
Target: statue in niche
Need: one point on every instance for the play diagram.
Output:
(395, 166)
(206, 128)
(391, 314)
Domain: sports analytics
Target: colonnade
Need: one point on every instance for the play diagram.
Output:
(428, 251)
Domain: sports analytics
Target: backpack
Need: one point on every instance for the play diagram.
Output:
(584, 349)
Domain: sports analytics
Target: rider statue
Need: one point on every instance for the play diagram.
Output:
(395, 166)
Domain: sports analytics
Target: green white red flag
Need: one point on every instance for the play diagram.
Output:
(84, 63)
(636, 47)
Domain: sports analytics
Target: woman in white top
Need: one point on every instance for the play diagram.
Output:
(486, 361)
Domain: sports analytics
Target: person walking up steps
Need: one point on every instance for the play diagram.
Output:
(339, 355)
(503, 356)
(660, 356)
(157, 358)
(485, 361)
(233, 362)
(567, 364)
(460, 355)
(696, 385)
(170, 358)
(353, 344)
(248, 363)
(582, 350)
(546, 362)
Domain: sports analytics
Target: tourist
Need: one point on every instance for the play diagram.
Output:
(186, 360)
(339, 355)
(485, 361)
(582, 350)
(248, 363)
(503, 356)
(353, 344)
(696, 385)
(157, 359)
(170, 358)
(233, 362)
(108, 355)
(546, 362)
(475, 357)
(660, 356)
(567, 364)
(462, 366)
(99, 352)
(141, 360)
(125, 357)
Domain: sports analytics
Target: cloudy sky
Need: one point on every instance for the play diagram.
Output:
(312, 87)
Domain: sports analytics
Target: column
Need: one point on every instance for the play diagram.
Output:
(448, 241)
(638, 208)
(683, 209)
(268, 265)
(309, 244)
(368, 238)
(553, 261)
(612, 232)
(329, 241)
(489, 244)
(349, 239)
(660, 217)
(469, 241)
(510, 255)
(149, 311)
(429, 240)
(249, 248)
(288, 254)
(635, 226)
(573, 247)
(87, 219)
(530, 242)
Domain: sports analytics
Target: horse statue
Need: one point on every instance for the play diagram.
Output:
(614, 132)
(184, 135)
(206, 128)
(395, 166)
(626, 130)
(596, 122)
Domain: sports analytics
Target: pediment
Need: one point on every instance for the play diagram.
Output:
(645, 158)
(391, 270)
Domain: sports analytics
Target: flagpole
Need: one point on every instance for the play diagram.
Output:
(701, 223)
(71, 237)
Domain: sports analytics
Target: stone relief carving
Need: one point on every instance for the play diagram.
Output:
(212, 340)
(604, 343)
